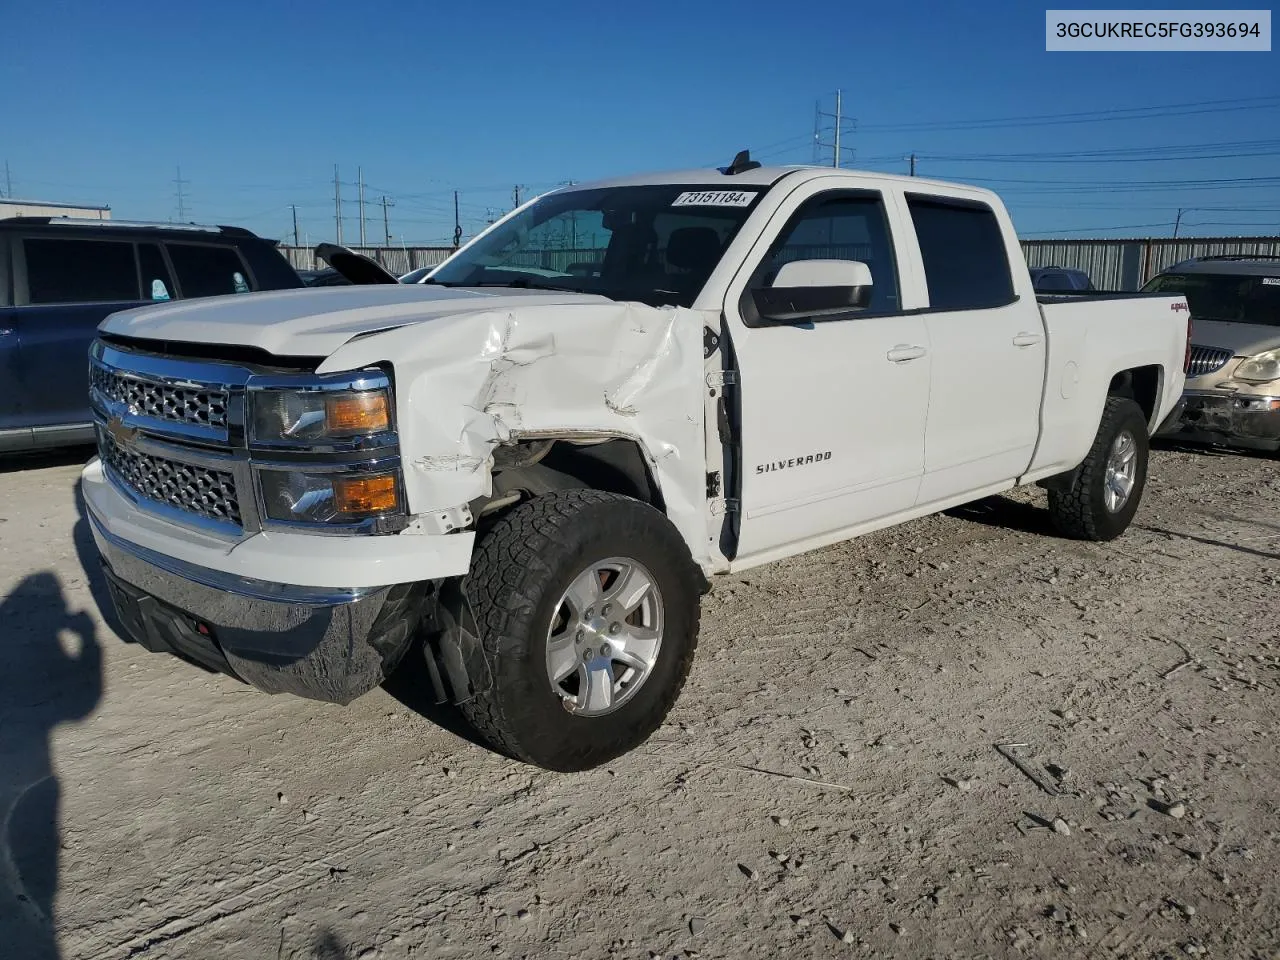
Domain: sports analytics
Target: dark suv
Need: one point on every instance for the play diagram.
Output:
(61, 277)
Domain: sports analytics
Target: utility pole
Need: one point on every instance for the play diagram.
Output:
(8, 181)
(913, 164)
(294, 207)
(386, 222)
(1177, 221)
(457, 223)
(182, 206)
(837, 149)
(836, 152)
(360, 180)
(515, 193)
(337, 206)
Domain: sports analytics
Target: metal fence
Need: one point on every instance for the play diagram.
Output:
(1111, 264)
(398, 260)
(1128, 264)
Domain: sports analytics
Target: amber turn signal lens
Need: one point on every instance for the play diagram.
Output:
(355, 495)
(363, 412)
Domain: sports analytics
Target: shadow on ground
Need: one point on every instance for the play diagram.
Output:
(1000, 511)
(411, 685)
(63, 457)
(50, 674)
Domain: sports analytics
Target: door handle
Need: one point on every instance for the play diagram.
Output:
(1027, 339)
(905, 351)
(7, 331)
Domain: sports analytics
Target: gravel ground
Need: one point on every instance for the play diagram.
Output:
(827, 786)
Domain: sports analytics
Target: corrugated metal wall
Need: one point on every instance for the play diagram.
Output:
(1112, 264)
(1128, 264)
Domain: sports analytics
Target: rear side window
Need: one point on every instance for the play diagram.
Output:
(79, 271)
(966, 265)
(208, 271)
(157, 284)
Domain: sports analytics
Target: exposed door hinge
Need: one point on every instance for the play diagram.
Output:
(710, 342)
(723, 505)
(722, 378)
(713, 485)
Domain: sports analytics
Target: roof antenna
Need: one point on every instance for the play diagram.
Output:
(741, 164)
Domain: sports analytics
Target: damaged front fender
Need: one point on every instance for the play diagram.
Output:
(465, 384)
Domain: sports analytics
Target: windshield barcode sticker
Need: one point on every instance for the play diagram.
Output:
(716, 198)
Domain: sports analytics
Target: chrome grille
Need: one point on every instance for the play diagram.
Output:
(196, 489)
(202, 407)
(1207, 360)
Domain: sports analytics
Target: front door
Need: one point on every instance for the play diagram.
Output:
(832, 410)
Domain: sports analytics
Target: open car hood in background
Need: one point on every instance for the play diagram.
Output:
(356, 267)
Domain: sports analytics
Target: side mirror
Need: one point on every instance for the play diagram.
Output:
(809, 288)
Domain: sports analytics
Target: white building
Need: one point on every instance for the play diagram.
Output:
(39, 208)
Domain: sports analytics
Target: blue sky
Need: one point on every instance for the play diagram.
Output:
(258, 101)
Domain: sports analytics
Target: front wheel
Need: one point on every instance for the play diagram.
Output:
(1108, 488)
(588, 607)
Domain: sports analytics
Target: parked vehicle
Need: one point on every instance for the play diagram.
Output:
(1059, 280)
(530, 478)
(60, 277)
(1233, 379)
(328, 277)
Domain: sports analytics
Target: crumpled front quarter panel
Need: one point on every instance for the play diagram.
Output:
(464, 384)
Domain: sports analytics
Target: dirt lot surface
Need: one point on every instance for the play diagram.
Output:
(827, 786)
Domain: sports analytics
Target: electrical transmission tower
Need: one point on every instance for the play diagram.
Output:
(182, 203)
(842, 126)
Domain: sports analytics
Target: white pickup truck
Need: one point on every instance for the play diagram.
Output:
(530, 467)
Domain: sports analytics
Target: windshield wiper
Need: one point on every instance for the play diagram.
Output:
(523, 283)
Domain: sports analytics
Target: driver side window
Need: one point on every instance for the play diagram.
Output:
(840, 227)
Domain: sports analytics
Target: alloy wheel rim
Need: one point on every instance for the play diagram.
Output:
(605, 636)
(1121, 472)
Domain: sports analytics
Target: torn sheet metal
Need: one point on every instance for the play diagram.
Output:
(466, 383)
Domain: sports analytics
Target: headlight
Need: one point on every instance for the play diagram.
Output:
(1261, 367)
(320, 414)
(297, 496)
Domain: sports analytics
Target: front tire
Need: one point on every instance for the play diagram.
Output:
(588, 607)
(1102, 501)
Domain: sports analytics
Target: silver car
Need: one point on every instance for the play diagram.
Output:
(1232, 394)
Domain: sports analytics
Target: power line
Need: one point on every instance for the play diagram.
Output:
(1089, 116)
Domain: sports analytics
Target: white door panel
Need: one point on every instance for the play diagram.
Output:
(984, 416)
(833, 426)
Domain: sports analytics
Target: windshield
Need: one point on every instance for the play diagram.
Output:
(652, 244)
(1236, 298)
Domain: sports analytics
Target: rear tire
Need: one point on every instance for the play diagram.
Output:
(1101, 503)
(551, 586)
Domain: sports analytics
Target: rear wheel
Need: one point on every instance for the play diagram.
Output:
(1101, 503)
(587, 603)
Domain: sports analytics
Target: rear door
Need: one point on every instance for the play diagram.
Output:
(65, 286)
(832, 410)
(988, 349)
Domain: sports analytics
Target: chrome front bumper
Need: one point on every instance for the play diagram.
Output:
(319, 643)
(1239, 420)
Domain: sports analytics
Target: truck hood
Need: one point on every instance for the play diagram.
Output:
(1244, 339)
(316, 322)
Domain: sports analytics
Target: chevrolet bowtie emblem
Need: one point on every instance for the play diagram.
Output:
(120, 433)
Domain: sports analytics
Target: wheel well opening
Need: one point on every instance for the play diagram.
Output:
(1141, 385)
(531, 468)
